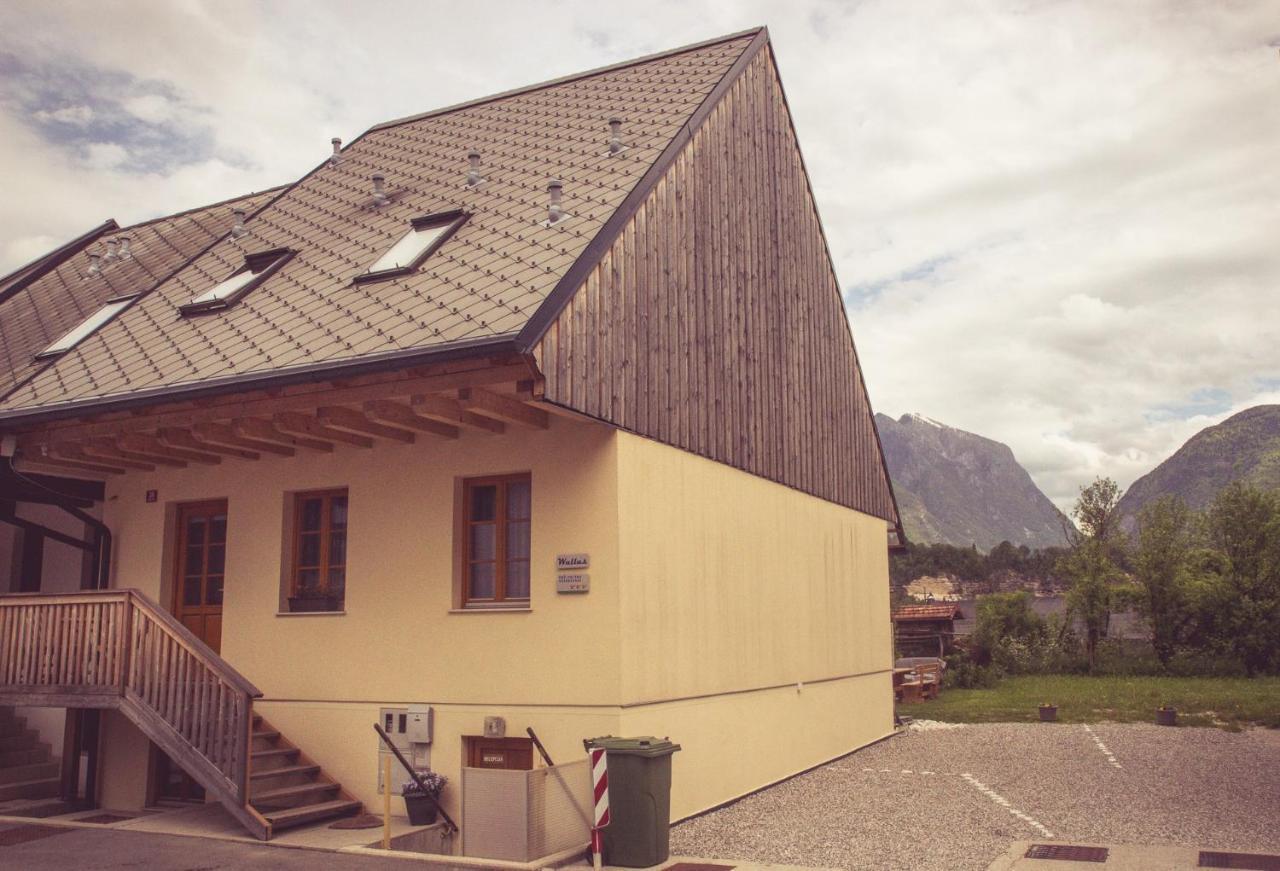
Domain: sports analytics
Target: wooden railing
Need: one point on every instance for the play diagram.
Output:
(117, 649)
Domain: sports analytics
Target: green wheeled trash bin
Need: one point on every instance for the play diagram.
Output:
(638, 834)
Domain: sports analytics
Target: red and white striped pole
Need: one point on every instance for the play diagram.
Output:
(600, 780)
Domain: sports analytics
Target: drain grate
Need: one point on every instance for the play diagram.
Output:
(22, 834)
(1245, 861)
(698, 866)
(1069, 852)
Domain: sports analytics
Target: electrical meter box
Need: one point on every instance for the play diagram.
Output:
(419, 723)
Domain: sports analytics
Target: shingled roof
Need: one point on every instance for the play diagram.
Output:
(51, 295)
(481, 289)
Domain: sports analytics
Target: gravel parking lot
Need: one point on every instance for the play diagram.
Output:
(954, 798)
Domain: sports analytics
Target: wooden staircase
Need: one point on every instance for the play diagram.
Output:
(28, 768)
(118, 650)
(287, 788)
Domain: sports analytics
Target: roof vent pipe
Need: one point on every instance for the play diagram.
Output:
(379, 189)
(125, 253)
(555, 213)
(473, 172)
(111, 252)
(336, 157)
(615, 135)
(238, 229)
(95, 264)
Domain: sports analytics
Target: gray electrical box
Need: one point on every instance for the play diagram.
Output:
(419, 724)
(409, 729)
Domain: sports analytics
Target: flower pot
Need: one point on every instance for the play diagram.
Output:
(1166, 716)
(422, 809)
(1048, 713)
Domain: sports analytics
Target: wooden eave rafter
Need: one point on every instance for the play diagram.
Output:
(439, 401)
(395, 414)
(349, 420)
(488, 404)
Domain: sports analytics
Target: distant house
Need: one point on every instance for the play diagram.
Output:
(540, 411)
(925, 630)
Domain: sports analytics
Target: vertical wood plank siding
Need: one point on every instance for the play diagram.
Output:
(715, 323)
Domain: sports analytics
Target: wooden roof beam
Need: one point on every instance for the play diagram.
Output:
(105, 447)
(62, 466)
(305, 424)
(448, 411)
(150, 445)
(501, 408)
(57, 457)
(395, 414)
(214, 435)
(100, 453)
(265, 430)
(340, 417)
(181, 438)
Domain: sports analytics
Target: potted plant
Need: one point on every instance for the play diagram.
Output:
(1166, 716)
(1048, 712)
(421, 796)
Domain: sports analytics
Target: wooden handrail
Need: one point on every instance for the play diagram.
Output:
(118, 649)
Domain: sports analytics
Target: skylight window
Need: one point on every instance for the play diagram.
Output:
(257, 268)
(424, 238)
(85, 328)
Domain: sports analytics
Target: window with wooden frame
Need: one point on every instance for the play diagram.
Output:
(319, 570)
(495, 546)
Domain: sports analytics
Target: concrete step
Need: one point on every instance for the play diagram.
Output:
(24, 740)
(34, 771)
(44, 788)
(25, 756)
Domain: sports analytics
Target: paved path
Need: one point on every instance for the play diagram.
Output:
(102, 849)
(953, 799)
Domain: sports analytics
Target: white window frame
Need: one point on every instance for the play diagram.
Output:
(423, 238)
(86, 327)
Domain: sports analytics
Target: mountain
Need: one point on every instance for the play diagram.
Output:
(1244, 447)
(954, 487)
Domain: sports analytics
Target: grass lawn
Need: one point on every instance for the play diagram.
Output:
(1229, 703)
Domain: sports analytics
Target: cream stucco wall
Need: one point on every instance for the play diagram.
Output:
(755, 627)
(398, 642)
(746, 620)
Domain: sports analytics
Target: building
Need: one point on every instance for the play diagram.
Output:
(543, 407)
(925, 630)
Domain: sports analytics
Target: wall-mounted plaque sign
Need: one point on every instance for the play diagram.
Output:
(573, 583)
(572, 562)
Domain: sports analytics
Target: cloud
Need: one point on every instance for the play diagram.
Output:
(1055, 222)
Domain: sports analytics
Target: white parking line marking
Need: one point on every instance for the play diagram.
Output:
(1004, 803)
(1103, 747)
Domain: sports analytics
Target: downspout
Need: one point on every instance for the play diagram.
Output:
(100, 567)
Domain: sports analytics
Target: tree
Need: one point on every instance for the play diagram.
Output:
(1244, 527)
(1162, 563)
(1003, 617)
(1091, 562)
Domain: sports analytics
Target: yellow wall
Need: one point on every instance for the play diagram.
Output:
(705, 582)
(324, 676)
(767, 605)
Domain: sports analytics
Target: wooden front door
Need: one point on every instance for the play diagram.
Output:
(202, 550)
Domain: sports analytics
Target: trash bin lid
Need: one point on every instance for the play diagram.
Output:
(643, 746)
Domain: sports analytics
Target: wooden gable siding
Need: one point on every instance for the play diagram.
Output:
(715, 324)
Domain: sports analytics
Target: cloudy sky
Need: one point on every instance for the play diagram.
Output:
(1057, 224)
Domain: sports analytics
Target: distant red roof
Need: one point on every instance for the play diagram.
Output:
(909, 613)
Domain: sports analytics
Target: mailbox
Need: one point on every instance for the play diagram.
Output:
(418, 724)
